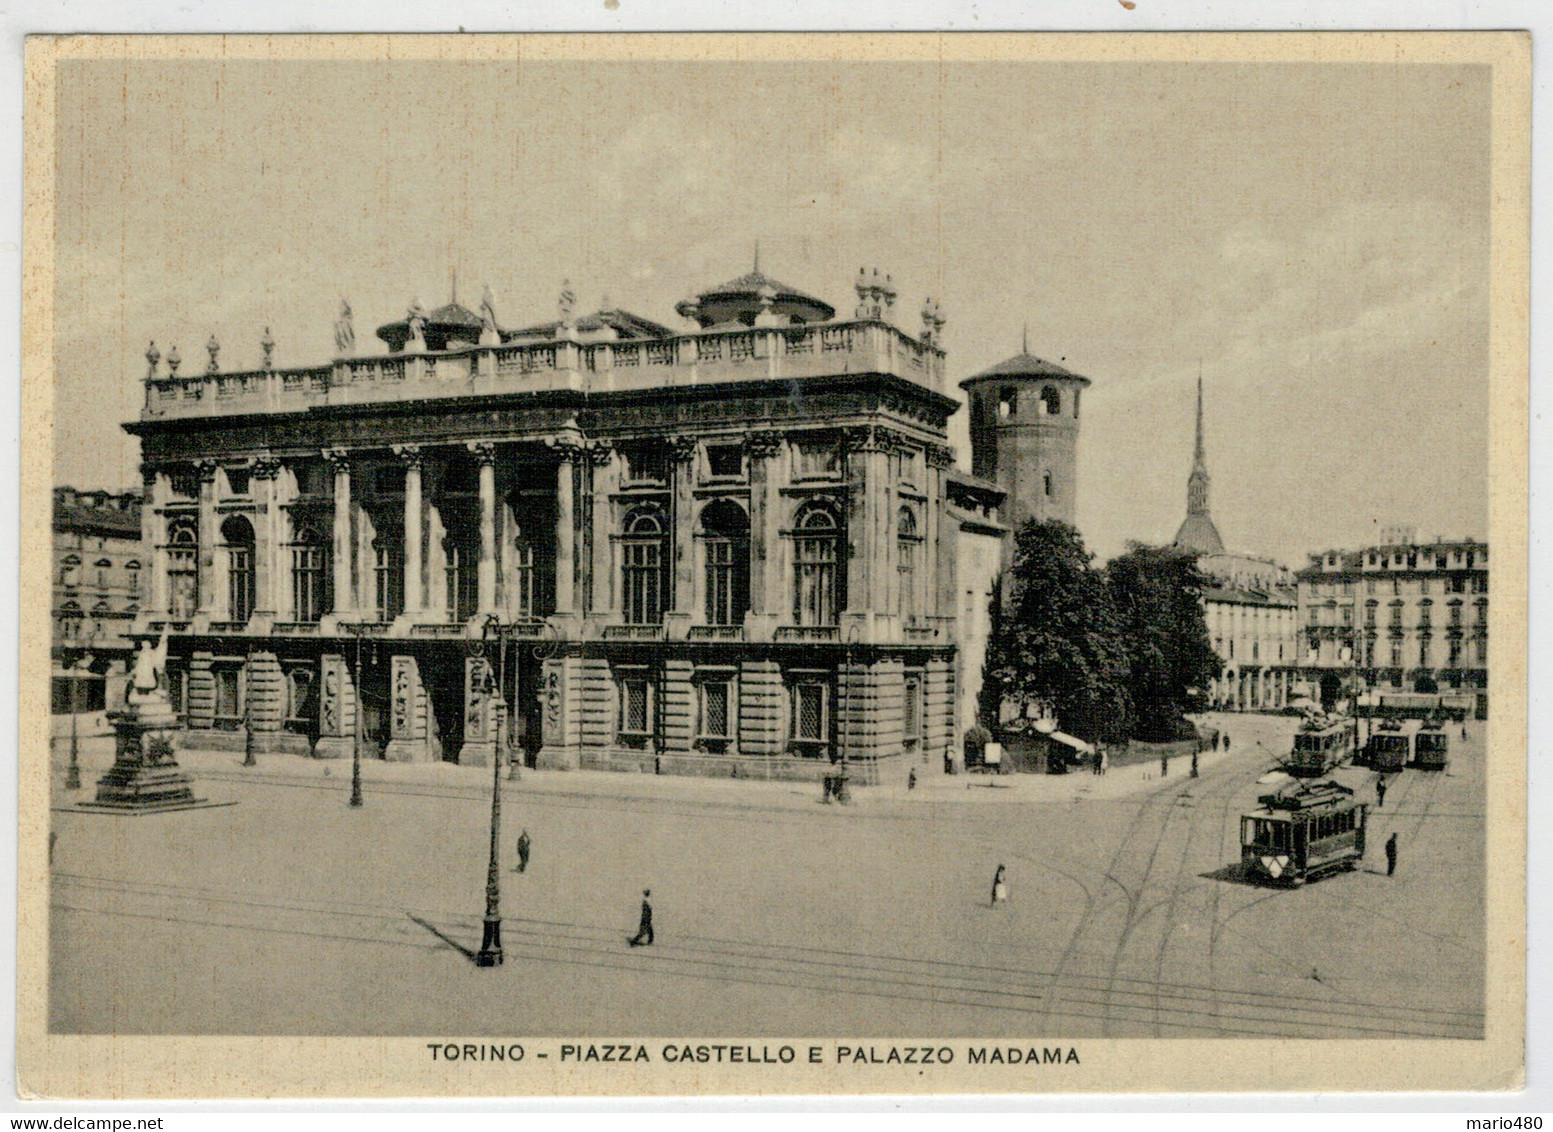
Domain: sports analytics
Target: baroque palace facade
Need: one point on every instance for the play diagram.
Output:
(728, 551)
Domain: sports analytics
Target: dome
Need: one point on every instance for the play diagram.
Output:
(447, 327)
(1025, 365)
(1198, 535)
(738, 301)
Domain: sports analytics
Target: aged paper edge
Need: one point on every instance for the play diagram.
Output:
(69, 1066)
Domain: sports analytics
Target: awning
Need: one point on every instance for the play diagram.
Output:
(1077, 744)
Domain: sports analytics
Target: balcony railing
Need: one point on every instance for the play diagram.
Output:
(295, 628)
(808, 633)
(633, 632)
(700, 358)
(716, 633)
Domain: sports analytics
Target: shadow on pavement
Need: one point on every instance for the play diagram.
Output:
(453, 943)
(1237, 873)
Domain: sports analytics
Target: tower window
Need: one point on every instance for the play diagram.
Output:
(1051, 402)
(1008, 402)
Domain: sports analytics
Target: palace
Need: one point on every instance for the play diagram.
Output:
(727, 551)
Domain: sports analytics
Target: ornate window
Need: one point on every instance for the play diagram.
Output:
(811, 711)
(182, 572)
(714, 717)
(725, 461)
(642, 562)
(307, 576)
(816, 542)
(388, 573)
(103, 566)
(301, 699)
(237, 533)
(911, 713)
(132, 578)
(636, 708)
(907, 542)
(726, 530)
(817, 459)
(229, 697)
(70, 570)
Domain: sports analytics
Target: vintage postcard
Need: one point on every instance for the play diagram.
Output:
(773, 564)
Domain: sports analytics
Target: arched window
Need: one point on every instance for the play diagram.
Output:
(308, 576)
(906, 543)
(726, 529)
(132, 578)
(237, 534)
(1008, 402)
(816, 539)
(1051, 401)
(642, 561)
(388, 572)
(182, 571)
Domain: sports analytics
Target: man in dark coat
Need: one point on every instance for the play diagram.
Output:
(643, 934)
(1391, 854)
(523, 848)
(1380, 792)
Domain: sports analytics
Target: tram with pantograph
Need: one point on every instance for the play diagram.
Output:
(1431, 747)
(1390, 748)
(1303, 831)
(1322, 741)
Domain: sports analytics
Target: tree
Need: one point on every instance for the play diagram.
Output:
(1055, 637)
(1157, 594)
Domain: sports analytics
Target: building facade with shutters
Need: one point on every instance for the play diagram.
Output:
(1401, 615)
(99, 579)
(727, 550)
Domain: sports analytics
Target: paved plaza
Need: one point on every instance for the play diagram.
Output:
(291, 913)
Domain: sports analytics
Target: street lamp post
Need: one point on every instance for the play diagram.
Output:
(248, 756)
(356, 799)
(73, 775)
(490, 953)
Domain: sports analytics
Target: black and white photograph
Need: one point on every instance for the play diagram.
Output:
(770, 564)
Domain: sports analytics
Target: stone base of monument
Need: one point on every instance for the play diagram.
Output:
(144, 777)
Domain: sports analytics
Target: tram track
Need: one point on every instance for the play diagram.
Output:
(1012, 991)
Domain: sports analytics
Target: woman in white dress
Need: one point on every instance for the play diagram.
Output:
(999, 887)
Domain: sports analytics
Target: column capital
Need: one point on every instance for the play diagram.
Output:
(866, 439)
(568, 449)
(764, 445)
(148, 474)
(338, 459)
(684, 448)
(266, 467)
(410, 455)
(484, 452)
(206, 468)
(600, 453)
(940, 456)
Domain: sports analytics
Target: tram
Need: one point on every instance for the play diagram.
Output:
(1431, 747)
(1321, 742)
(1303, 831)
(1390, 748)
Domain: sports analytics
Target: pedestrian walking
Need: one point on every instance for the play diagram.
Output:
(1194, 761)
(1104, 761)
(643, 936)
(523, 848)
(1463, 730)
(1226, 740)
(999, 887)
(911, 779)
(1391, 854)
(1380, 792)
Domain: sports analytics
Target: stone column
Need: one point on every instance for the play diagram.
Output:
(940, 588)
(601, 455)
(414, 591)
(266, 470)
(867, 559)
(566, 528)
(344, 576)
(684, 453)
(485, 453)
(763, 450)
(153, 535)
(283, 494)
(210, 602)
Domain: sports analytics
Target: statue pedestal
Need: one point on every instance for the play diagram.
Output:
(144, 775)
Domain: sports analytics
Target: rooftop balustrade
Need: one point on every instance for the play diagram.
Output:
(709, 357)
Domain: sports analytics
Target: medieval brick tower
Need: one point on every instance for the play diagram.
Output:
(1024, 418)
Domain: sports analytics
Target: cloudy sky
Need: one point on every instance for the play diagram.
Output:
(1313, 237)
